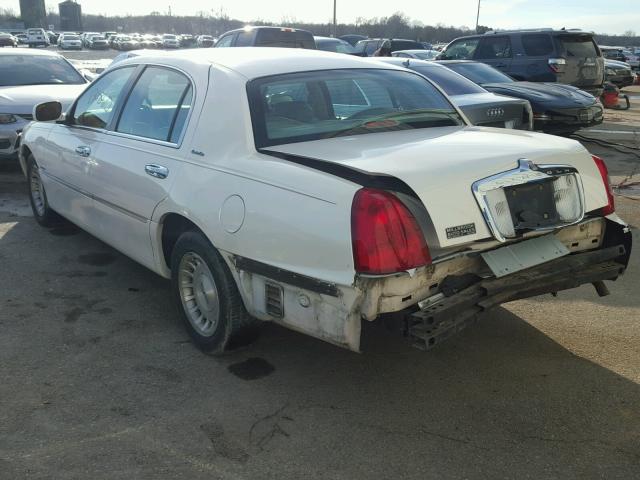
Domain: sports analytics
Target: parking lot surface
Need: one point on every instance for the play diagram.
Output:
(99, 380)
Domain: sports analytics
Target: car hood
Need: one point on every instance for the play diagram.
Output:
(441, 164)
(21, 100)
(616, 65)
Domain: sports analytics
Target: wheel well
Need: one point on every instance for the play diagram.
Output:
(25, 154)
(173, 226)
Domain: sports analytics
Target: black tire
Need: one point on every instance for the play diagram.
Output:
(42, 212)
(234, 325)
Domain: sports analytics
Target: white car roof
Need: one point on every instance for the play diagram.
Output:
(255, 62)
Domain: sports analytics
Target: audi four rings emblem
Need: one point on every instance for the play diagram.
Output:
(495, 112)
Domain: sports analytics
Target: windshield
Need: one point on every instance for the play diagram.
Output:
(451, 82)
(169, 37)
(406, 45)
(71, 37)
(324, 104)
(124, 39)
(17, 70)
(480, 73)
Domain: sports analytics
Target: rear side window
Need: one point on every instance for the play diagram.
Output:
(95, 108)
(273, 37)
(537, 45)
(157, 106)
(581, 46)
(461, 49)
(244, 39)
(495, 47)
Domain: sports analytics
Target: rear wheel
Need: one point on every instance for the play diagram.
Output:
(42, 212)
(213, 311)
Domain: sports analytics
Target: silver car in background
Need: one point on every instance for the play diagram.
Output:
(481, 107)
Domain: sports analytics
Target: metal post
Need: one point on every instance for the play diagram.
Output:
(335, 23)
(478, 17)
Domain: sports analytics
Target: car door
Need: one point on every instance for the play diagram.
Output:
(495, 51)
(139, 159)
(73, 145)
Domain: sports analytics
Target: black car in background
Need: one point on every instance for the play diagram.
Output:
(557, 108)
(335, 45)
(352, 39)
(619, 73)
(543, 55)
(366, 48)
(267, 37)
(481, 107)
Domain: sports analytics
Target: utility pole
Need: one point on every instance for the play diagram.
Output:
(335, 22)
(478, 17)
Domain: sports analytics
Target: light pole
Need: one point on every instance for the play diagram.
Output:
(335, 22)
(478, 17)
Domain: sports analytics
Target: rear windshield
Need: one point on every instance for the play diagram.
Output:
(307, 106)
(480, 73)
(451, 82)
(272, 37)
(578, 46)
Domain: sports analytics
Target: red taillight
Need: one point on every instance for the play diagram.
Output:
(604, 173)
(385, 235)
(557, 64)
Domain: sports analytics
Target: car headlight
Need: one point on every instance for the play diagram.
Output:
(7, 118)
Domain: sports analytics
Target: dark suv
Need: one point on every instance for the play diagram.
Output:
(545, 55)
(267, 37)
(366, 48)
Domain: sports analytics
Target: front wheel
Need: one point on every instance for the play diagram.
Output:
(213, 311)
(42, 212)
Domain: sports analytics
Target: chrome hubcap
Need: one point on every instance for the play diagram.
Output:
(37, 191)
(199, 294)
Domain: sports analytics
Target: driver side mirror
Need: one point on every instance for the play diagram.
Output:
(47, 112)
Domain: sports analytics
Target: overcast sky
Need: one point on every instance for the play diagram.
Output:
(585, 14)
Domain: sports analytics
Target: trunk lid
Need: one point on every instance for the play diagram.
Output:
(441, 164)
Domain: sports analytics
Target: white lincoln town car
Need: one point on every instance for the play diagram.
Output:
(319, 191)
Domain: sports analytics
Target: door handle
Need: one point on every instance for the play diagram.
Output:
(157, 171)
(83, 151)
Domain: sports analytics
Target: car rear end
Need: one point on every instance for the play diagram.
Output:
(578, 62)
(36, 37)
(98, 43)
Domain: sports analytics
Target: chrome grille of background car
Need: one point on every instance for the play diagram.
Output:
(530, 197)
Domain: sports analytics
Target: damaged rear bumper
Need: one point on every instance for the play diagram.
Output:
(441, 316)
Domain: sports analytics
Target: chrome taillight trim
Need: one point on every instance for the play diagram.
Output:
(526, 172)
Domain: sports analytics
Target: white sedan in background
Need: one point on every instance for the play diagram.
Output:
(319, 190)
(27, 78)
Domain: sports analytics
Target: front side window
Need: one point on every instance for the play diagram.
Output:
(96, 106)
(495, 47)
(461, 49)
(370, 48)
(316, 105)
(224, 41)
(157, 106)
